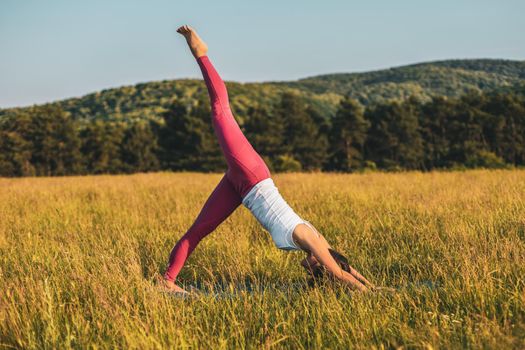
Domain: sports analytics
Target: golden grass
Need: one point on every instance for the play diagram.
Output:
(78, 257)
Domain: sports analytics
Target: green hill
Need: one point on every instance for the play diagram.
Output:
(309, 124)
(424, 80)
(441, 78)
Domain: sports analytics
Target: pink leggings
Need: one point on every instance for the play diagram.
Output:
(245, 169)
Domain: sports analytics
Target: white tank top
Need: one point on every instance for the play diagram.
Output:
(275, 215)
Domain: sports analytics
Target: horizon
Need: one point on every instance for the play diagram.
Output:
(54, 52)
(262, 82)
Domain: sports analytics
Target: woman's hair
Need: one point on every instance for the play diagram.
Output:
(319, 271)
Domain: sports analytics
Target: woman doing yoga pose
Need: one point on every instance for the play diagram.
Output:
(248, 181)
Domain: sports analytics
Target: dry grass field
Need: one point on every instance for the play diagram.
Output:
(79, 257)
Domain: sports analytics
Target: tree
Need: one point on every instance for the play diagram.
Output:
(465, 129)
(49, 136)
(265, 131)
(139, 148)
(187, 138)
(15, 155)
(347, 136)
(302, 138)
(394, 139)
(434, 118)
(102, 147)
(506, 129)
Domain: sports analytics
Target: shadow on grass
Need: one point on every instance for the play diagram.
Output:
(228, 285)
(227, 289)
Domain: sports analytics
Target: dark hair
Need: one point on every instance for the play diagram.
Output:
(319, 271)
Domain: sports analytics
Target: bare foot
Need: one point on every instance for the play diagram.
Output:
(197, 46)
(171, 286)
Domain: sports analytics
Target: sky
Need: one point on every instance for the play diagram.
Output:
(55, 49)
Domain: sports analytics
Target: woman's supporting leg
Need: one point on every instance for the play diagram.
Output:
(221, 203)
(245, 166)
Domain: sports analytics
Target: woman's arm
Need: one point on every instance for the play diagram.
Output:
(316, 244)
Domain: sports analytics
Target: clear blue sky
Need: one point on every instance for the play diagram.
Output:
(55, 49)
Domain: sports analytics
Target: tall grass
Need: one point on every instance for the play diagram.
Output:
(79, 257)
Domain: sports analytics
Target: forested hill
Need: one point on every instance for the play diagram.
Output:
(147, 101)
(423, 80)
(450, 114)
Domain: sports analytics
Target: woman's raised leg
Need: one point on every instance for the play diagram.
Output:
(245, 166)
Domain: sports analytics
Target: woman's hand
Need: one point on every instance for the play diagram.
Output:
(319, 257)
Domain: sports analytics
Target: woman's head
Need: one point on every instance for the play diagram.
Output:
(317, 270)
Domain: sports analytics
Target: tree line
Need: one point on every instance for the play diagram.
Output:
(476, 130)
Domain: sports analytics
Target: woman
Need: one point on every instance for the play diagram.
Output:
(248, 181)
